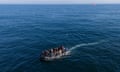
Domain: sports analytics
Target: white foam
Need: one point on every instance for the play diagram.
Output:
(84, 44)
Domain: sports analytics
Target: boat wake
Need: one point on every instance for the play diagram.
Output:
(83, 44)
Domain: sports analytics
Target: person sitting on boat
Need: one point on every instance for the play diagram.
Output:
(62, 49)
(51, 52)
(46, 53)
(54, 51)
(57, 51)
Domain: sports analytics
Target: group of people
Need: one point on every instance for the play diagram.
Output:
(54, 51)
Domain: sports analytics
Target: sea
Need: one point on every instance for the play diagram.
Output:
(91, 33)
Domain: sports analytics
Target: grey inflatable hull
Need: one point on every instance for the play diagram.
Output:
(45, 58)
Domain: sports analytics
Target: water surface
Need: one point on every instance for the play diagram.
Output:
(91, 32)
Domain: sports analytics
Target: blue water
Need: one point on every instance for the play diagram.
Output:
(92, 33)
